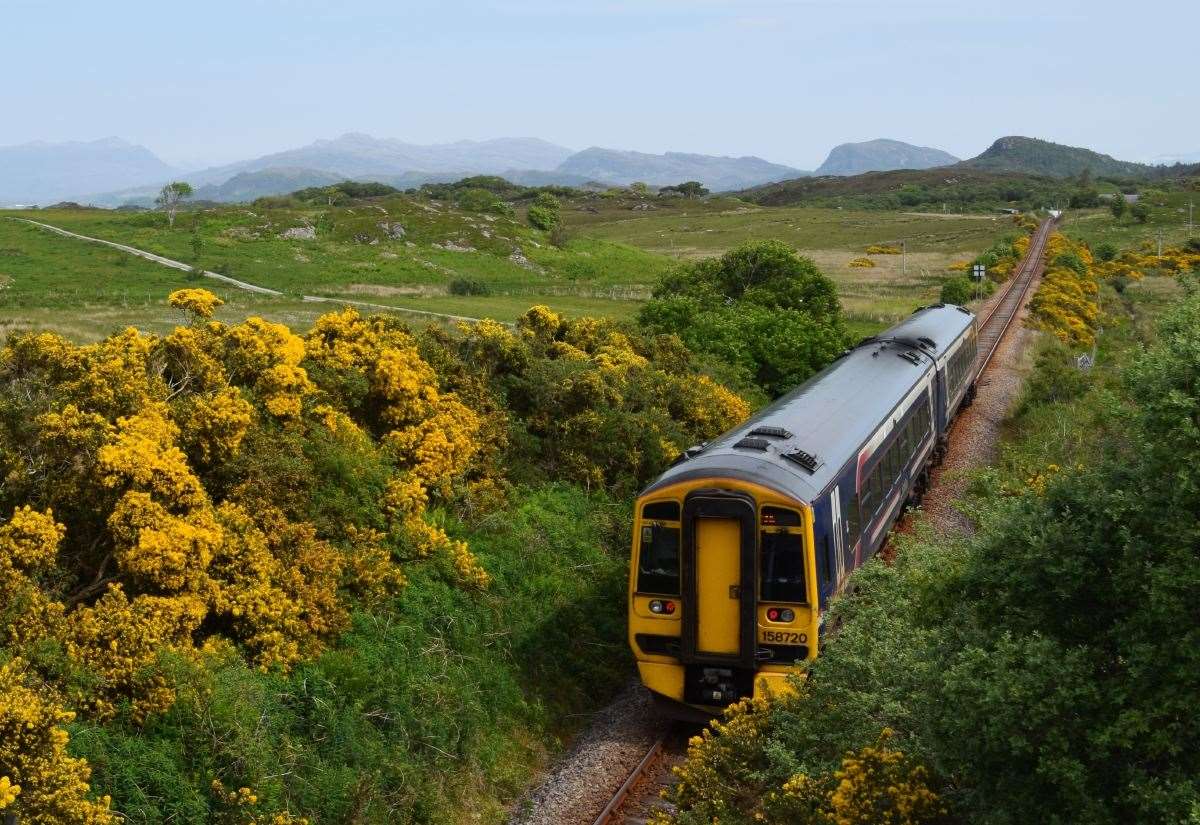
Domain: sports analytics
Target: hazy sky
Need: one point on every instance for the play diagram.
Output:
(213, 80)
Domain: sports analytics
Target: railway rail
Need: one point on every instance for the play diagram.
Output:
(995, 321)
(640, 795)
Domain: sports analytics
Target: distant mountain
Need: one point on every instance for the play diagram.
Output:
(882, 155)
(45, 172)
(618, 167)
(246, 186)
(1041, 157)
(363, 157)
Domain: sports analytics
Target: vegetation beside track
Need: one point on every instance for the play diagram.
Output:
(1039, 669)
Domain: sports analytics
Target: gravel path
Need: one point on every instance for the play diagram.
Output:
(587, 776)
(975, 434)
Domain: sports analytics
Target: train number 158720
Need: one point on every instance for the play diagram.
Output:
(784, 637)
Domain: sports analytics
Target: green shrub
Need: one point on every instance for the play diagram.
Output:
(759, 307)
(469, 286)
(957, 291)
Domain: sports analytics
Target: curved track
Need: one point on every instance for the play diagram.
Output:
(639, 796)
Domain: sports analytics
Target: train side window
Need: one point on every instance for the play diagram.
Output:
(658, 560)
(781, 567)
(852, 518)
(866, 498)
(877, 487)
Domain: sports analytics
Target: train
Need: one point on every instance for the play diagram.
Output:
(739, 546)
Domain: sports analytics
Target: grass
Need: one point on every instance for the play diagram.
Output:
(1168, 218)
(873, 298)
(613, 256)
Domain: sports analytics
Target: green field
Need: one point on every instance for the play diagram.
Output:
(872, 297)
(613, 255)
(1168, 218)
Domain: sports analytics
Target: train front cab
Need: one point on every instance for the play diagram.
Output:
(722, 592)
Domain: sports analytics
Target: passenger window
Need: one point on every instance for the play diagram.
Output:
(852, 519)
(661, 511)
(781, 569)
(658, 560)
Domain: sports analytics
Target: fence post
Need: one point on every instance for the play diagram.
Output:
(10, 819)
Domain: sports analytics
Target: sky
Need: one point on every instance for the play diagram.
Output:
(215, 81)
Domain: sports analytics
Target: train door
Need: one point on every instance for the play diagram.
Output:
(717, 563)
(837, 531)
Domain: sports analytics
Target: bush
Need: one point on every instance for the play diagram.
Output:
(957, 291)
(469, 286)
(759, 307)
(543, 218)
(1106, 251)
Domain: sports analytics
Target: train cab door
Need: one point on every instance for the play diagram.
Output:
(838, 531)
(719, 548)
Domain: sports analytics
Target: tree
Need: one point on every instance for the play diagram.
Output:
(544, 213)
(689, 189)
(171, 196)
(1140, 212)
(1118, 206)
(1106, 251)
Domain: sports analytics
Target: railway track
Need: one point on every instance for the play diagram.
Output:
(640, 795)
(995, 321)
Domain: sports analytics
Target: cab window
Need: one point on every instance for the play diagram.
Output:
(658, 556)
(781, 560)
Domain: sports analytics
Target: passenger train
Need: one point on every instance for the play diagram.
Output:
(740, 545)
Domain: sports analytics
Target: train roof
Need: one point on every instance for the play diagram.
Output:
(800, 442)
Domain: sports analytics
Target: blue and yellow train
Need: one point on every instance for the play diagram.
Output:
(740, 545)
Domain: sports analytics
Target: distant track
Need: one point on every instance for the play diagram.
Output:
(994, 323)
(245, 285)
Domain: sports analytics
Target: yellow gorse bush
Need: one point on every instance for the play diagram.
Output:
(874, 785)
(861, 263)
(198, 302)
(137, 553)
(157, 514)
(883, 249)
(1065, 302)
(41, 782)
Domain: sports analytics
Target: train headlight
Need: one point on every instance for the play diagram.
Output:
(662, 607)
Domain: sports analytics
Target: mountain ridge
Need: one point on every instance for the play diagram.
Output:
(882, 155)
(1017, 153)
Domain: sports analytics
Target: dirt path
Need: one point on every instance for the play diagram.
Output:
(245, 285)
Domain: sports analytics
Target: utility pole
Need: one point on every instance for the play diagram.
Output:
(1160, 243)
(1190, 228)
(903, 256)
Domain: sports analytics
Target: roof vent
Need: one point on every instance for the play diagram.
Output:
(774, 432)
(910, 356)
(927, 342)
(806, 460)
(963, 310)
(752, 444)
(690, 452)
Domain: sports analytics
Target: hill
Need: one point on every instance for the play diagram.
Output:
(619, 167)
(1041, 157)
(43, 172)
(882, 155)
(359, 156)
(958, 188)
(246, 186)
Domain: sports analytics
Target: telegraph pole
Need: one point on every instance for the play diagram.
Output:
(903, 255)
